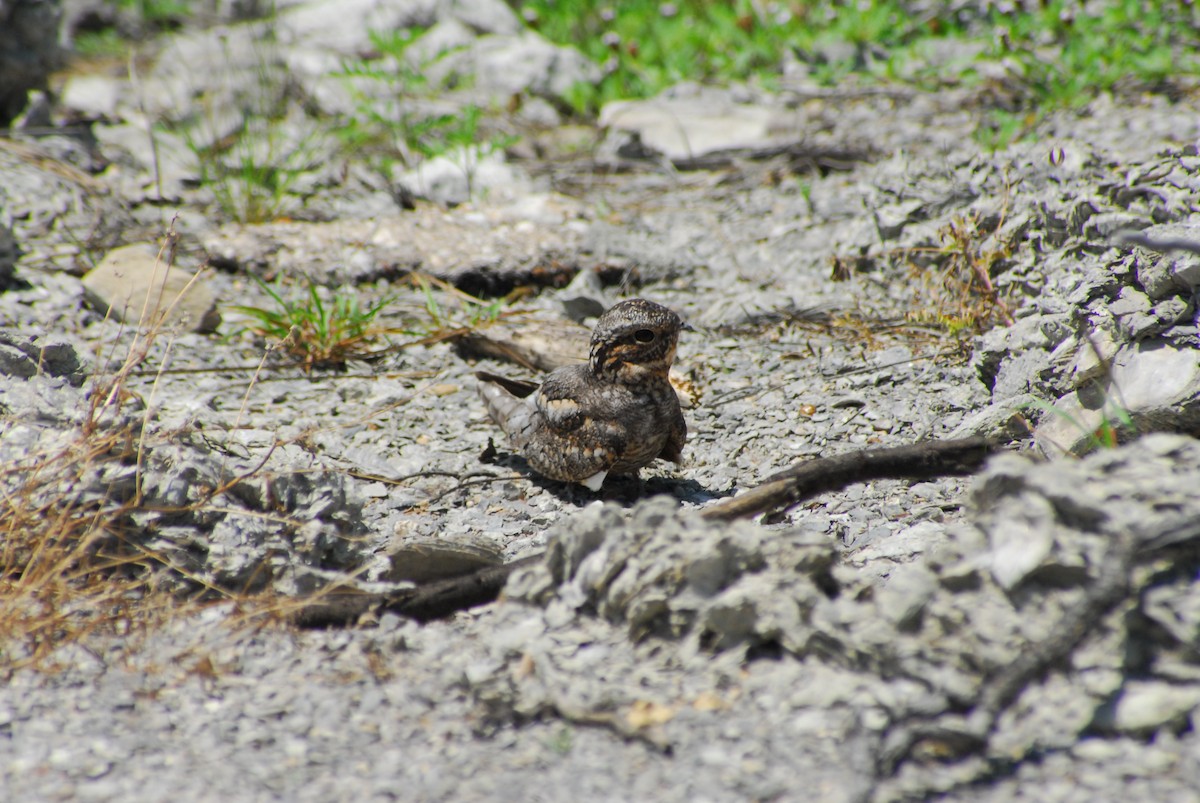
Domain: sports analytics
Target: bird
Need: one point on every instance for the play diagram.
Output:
(612, 415)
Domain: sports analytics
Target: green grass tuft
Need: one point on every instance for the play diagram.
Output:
(318, 332)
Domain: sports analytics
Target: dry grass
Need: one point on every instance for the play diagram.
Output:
(68, 564)
(73, 561)
(955, 292)
(957, 289)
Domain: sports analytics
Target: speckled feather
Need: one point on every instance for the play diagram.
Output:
(614, 415)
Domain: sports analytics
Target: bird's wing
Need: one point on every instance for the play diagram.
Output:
(676, 437)
(558, 401)
(573, 445)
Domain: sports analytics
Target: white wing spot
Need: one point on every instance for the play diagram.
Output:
(595, 481)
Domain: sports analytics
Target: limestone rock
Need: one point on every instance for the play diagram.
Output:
(456, 177)
(56, 210)
(1144, 706)
(504, 65)
(486, 247)
(1172, 273)
(1156, 383)
(689, 127)
(30, 355)
(137, 287)
(442, 38)
(92, 96)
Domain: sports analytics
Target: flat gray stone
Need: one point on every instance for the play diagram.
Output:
(1143, 706)
(689, 127)
(1156, 383)
(135, 286)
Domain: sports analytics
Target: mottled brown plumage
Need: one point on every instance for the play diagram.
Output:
(613, 415)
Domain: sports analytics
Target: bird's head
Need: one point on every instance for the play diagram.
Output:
(635, 339)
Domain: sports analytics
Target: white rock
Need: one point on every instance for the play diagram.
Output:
(1146, 705)
(344, 26)
(688, 127)
(465, 174)
(92, 96)
(441, 38)
(1093, 357)
(1020, 545)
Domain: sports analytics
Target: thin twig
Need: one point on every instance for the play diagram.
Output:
(403, 478)
(482, 480)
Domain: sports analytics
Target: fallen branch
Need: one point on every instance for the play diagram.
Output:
(436, 600)
(919, 461)
(798, 153)
(441, 598)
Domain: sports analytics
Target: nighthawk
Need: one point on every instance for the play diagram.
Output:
(612, 415)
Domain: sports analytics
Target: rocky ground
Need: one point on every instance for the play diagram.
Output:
(1032, 631)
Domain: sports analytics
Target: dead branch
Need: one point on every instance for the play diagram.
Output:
(810, 477)
(813, 157)
(436, 600)
(444, 597)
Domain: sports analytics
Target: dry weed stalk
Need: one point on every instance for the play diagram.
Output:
(65, 567)
(955, 291)
(72, 561)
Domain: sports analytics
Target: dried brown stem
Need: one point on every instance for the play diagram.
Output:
(805, 479)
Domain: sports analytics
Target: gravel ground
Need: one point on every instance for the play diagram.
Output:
(856, 647)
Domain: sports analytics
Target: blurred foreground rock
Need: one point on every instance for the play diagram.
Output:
(930, 639)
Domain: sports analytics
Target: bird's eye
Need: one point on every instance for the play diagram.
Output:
(643, 335)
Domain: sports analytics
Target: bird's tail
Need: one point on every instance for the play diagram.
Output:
(513, 413)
